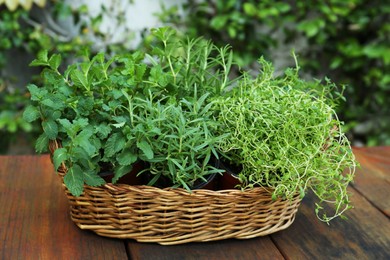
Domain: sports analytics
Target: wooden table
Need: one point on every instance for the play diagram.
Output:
(35, 223)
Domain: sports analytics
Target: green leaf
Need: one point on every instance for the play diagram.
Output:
(121, 171)
(126, 157)
(42, 55)
(218, 22)
(99, 57)
(146, 149)
(311, 27)
(140, 71)
(50, 128)
(55, 61)
(114, 144)
(37, 63)
(103, 130)
(119, 125)
(69, 70)
(36, 93)
(59, 156)
(31, 113)
(79, 79)
(52, 103)
(78, 153)
(80, 123)
(117, 93)
(41, 59)
(74, 180)
(92, 179)
(249, 9)
(82, 140)
(67, 125)
(55, 115)
(42, 143)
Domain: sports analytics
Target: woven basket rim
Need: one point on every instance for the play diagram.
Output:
(170, 216)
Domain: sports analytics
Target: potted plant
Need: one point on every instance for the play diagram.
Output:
(184, 146)
(175, 108)
(141, 106)
(285, 135)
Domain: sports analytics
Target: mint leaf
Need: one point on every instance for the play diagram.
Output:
(42, 143)
(78, 153)
(119, 125)
(67, 126)
(121, 171)
(114, 144)
(80, 123)
(36, 93)
(31, 113)
(126, 157)
(50, 128)
(74, 180)
(79, 79)
(140, 71)
(55, 61)
(82, 140)
(92, 179)
(41, 59)
(55, 115)
(53, 103)
(42, 55)
(116, 93)
(103, 130)
(146, 149)
(37, 63)
(59, 156)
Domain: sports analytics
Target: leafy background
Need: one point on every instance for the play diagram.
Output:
(347, 41)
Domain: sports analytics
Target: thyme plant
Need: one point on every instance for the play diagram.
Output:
(285, 134)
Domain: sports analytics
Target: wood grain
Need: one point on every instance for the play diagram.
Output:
(365, 235)
(34, 216)
(35, 223)
(372, 179)
(258, 248)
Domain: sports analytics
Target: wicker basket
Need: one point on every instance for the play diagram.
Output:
(175, 216)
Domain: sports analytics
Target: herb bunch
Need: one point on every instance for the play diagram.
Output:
(112, 111)
(285, 134)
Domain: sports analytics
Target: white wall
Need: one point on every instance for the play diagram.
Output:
(138, 15)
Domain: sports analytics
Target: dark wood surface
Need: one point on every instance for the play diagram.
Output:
(35, 222)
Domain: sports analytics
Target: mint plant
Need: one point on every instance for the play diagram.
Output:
(285, 134)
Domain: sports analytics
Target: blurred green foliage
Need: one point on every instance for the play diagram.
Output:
(26, 32)
(347, 41)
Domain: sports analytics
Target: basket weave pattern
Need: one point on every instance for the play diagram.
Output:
(175, 216)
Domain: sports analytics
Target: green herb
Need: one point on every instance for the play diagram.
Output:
(286, 135)
(152, 106)
(175, 107)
